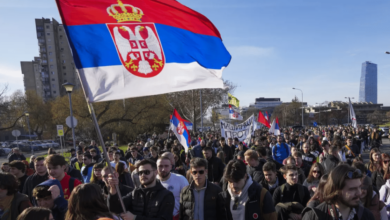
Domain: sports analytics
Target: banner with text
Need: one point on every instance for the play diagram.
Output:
(241, 131)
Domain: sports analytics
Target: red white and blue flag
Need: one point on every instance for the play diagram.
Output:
(233, 114)
(134, 48)
(180, 129)
(274, 129)
(188, 124)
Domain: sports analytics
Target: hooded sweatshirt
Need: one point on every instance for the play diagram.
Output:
(60, 204)
(239, 213)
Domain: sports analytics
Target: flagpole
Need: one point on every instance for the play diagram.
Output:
(95, 122)
(201, 113)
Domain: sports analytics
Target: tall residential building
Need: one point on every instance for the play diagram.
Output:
(368, 91)
(54, 66)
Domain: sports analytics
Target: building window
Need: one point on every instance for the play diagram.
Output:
(47, 26)
(50, 53)
(64, 74)
(54, 92)
(49, 39)
(48, 34)
(52, 72)
(65, 81)
(64, 67)
(60, 29)
(51, 66)
(63, 61)
(53, 80)
(49, 47)
(51, 60)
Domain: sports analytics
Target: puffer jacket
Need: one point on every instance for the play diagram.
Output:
(213, 203)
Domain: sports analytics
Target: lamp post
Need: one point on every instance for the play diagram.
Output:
(348, 106)
(302, 103)
(29, 132)
(69, 88)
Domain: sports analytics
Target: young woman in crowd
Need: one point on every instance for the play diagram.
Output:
(221, 155)
(313, 179)
(318, 196)
(313, 146)
(370, 199)
(35, 213)
(375, 160)
(124, 176)
(97, 175)
(382, 173)
(87, 203)
(308, 158)
(179, 166)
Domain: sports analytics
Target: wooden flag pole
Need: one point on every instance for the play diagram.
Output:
(99, 134)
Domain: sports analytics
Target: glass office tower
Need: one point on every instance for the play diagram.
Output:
(368, 91)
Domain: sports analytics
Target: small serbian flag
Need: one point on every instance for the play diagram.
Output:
(233, 114)
(277, 128)
(133, 48)
(261, 119)
(179, 128)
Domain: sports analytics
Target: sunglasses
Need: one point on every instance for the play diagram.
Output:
(386, 161)
(315, 171)
(146, 172)
(354, 174)
(200, 172)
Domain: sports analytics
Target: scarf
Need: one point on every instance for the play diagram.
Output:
(237, 202)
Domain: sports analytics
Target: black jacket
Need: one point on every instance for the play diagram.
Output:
(291, 194)
(321, 213)
(256, 172)
(281, 181)
(228, 153)
(330, 163)
(147, 203)
(215, 169)
(122, 188)
(377, 180)
(75, 173)
(11, 157)
(253, 211)
(31, 182)
(213, 203)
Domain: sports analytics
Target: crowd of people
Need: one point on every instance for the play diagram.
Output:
(312, 173)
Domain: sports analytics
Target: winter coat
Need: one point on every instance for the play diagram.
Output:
(215, 169)
(60, 203)
(377, 180)
(330, 163)
(321, 213)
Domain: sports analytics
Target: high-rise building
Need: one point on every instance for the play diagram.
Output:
(54, 66)
(368, 91)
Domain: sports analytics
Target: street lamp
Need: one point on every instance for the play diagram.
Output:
(348, 106)
(29, 132)
(69, 88)
(302, 103)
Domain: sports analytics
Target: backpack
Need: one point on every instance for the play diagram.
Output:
(269, 215)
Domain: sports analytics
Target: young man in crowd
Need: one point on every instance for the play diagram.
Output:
(117, 159)
(201, 199)
(255, 166)
(226, 149)
(332, 160)
(341, 197)
(50, 195)
(289, 193)
(245, 199)
(150, 201)
(124, 189)
(280, 150)
(95, 156)
(12, 202)
(325, 148)
(18, 169)
(15, 155)
(215, 166)
(56, 166)
(77, 163)
(38, 177)
(272, 178)
(135, 156)
(352, 150)
(86, 170)
(231, 145)
(299, 164)
(171, 181)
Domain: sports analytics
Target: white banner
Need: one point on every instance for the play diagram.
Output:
(241, 131)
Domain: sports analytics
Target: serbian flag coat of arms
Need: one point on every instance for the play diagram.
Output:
(180, 129)
(133, 48)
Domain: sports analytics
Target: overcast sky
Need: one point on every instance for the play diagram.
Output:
(315, 45)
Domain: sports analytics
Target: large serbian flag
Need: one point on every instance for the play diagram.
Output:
(179, 128)
(133, 48)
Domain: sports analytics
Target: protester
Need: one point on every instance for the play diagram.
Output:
(382, 173)
(291, 197)
(38, 177)
(153, 154)
(332, 160)
(12, 202)
(255, 166)
(215, 166)
(226, 149)
(5, 167)
(135, 156)
(50, 195)
(296, 159)
(95, 156)
(370, 199)
(124, 190)
(124, 176)
(150, 194)
(56, 166)
(313, 178)
(87, 203)
(280, 150)
(308, 159)
(117, 159)
(73, 172)
(325, 149)
(272, 178)
(15, 155)
(201, 199)
(18, 169)
(86, 170)
(341, 197)
(245, 199)
(318, 196)
(34, 213)
(96, 177)
(77, 162)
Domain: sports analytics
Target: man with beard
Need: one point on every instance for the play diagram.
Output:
(171, 181)
(149, 201)
(226, 149)
(341, 197)
(34, 180)
(215, 165)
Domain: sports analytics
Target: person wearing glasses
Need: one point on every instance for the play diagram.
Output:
(124, 189)
(313, 179)
(382, 174)
(342, 195)
(244, 198)
(149, 201)
(201, 199)
(86, 170)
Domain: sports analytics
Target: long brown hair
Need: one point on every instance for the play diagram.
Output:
(366, 181)
(310, 178)
(386, 175)
(372, 166)
(319, 194)
(33, 213)
(87, 203)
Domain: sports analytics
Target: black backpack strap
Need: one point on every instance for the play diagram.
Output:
(71, 184)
